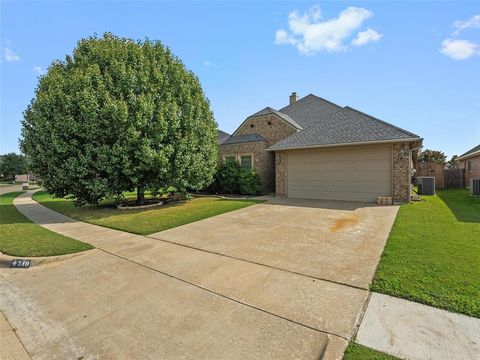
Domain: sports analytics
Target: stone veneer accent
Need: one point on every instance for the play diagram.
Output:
(273, 129)
(401, 184)
(280, 166)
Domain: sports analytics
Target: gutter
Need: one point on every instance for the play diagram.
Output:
(348, 144)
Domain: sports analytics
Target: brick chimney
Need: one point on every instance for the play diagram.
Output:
(293, 98)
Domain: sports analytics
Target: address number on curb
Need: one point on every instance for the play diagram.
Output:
(20, 263)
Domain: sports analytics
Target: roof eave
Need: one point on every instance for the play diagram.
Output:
(468, 156)
(346, 144)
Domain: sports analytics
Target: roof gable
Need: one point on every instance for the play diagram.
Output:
(268, 111)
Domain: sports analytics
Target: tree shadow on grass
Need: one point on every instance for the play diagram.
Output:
(465, 208)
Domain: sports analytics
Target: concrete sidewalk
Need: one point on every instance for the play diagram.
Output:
(414, 331)
(10, 346)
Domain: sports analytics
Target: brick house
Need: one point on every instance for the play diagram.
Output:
(313, 148)
(470, 163)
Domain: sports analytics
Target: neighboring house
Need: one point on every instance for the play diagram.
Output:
(470, 162)
(222, 136)
(316, 149)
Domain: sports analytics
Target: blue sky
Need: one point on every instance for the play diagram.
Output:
(416, 65)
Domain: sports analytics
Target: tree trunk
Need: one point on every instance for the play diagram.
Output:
(140, 195)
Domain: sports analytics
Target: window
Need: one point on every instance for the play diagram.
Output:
(230, 159)
(246, 162)
(469, 166)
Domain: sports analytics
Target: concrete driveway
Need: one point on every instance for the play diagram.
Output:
(331, 240)
(280, 280)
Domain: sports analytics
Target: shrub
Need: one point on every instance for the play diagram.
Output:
(231, 178)
(249, 182)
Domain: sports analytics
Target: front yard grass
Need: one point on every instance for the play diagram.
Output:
(20, 237)
(146, 221)
(355, 351)
(432, 255)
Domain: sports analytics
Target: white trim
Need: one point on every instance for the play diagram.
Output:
(464, 157)
(347, 144)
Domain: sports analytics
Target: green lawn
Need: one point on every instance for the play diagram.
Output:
(358, 352)
(433, 253)
(20, 237)
(146, 221)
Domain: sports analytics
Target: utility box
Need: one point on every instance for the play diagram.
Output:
(475, 186)
(25, 186)
(426, 185)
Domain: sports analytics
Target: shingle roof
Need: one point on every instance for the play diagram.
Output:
(236, 139)
(309, 110)
(222, 136)
(343, 126)
(470, 152)
(269, 110)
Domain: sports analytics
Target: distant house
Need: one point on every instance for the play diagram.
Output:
(222, 136)
(315, 149)
(470, 162)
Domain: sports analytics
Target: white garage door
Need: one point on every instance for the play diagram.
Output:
(355, 173)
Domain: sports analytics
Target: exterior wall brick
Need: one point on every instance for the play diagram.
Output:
(263, 161)
(401, 164)
(271, 127)
(280, 180)
(474, 173)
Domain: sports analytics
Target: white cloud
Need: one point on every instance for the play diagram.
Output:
(9, 55)
(39, 70)
(309, 33)
(472, 23)
(209, 64)
(458, 49)
(364, 37)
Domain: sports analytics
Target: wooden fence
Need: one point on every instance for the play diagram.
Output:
(454, 178)
(431, 169)
(444, 178)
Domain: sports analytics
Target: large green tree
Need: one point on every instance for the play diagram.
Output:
(12, 164)
(119, 115)
(434, 156)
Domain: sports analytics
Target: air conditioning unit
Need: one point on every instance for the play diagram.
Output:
(475, 186)
(426, 185)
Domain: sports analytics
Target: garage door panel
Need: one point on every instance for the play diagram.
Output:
(350, 173)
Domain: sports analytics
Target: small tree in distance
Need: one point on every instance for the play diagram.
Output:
(453, 163)
(119, 115)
